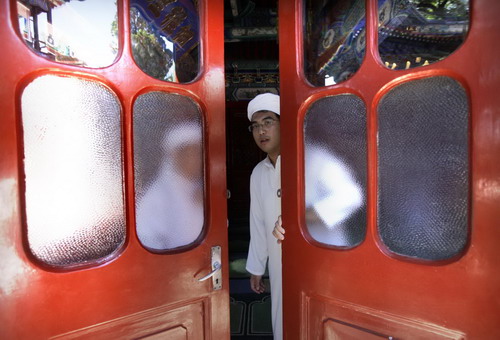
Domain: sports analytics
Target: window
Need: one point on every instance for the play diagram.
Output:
(73, 166)
(165, 38)
(335, 40)
(423, 185)
(417, 33)
(81, 33)
(335, 170)
(168, 167)
(411, 33)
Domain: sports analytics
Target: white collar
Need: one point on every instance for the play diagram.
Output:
(268, 163)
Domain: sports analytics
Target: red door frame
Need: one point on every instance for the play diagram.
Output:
(461, 295)
(36, 303)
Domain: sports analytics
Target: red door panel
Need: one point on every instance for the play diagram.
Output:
(134, 293)
(367, 290)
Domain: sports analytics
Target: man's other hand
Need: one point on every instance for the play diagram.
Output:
(257, 284)
(279, 231)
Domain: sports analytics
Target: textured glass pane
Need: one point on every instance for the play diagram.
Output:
(335, 170)
(335, 40)
(423, 169)
(73, 167)
(165, 38)
(168, 165)
(416, 33)
(82, 33)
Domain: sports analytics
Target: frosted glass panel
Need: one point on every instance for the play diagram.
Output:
(73, 166)
(423, 169)
(168, 165)
(335, 170)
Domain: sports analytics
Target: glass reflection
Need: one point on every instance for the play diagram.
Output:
(335, 40)
(73, 167)
(332, 196)
(335, 170)
(82, 33)
(165, 38)
(415, 33)
(168, 165)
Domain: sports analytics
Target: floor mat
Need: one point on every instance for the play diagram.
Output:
(250, 312)
(251, 316)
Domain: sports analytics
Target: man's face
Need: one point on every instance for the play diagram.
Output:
(267, 133)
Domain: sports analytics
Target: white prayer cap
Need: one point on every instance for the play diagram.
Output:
(183, 135)
(264, 102)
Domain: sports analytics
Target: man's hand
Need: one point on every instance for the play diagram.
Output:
(257, 284)
(279, 231)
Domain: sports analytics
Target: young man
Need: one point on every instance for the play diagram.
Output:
(265, 203)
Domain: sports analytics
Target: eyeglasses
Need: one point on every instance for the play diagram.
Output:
(265, 125)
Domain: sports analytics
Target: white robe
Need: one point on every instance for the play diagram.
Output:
(330, 187)
(333, 193)
(170, 214)
(265, 207)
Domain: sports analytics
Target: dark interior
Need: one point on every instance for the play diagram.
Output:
(251, 67)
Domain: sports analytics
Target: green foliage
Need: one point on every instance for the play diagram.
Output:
(147, 48)
(149, 52)
(443, 9)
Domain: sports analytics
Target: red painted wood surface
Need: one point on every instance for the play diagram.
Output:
(450, 300)
(137, 285)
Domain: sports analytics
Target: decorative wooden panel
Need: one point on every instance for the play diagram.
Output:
(326, 318)
(180, 321)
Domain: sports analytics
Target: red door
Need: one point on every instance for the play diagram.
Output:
(414, 147)
(95, 241)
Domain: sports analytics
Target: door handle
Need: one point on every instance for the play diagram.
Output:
(216, 273)
(217, 267)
